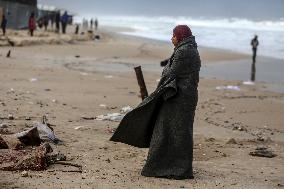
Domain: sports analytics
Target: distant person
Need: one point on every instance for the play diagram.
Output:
(164, 120)
(32, 24)
(96, 24)
(254, 43)
(4, 24)
(40, 23)
(57, 22)
(64, 22)
(92, 24)
(45, 22)
(77, 29)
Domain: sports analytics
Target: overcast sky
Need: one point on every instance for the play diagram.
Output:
(253, 9)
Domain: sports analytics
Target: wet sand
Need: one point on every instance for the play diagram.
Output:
(68, 81)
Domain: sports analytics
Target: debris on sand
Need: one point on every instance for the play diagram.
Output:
(110, 130)
(11, 117)
(231, 141)
(87, 118)
(40, 132)
(14, 160)
(108, 76)
(114, 116)
(126, 109)
(24, 174)
(263, 152)
(29, 137)
(3, 144)
(210, 139)
(228, 87)
(110, 117)
(248, 83)
(239, 128)
(32, 159)
(33, 79)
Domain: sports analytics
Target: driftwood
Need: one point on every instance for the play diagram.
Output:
(70, 164)
(141, 82)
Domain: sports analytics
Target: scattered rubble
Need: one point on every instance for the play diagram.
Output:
(262, 152)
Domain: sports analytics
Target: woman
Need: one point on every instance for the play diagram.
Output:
(164, 120)
(32, 24)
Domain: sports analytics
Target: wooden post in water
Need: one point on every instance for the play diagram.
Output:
(141, 82)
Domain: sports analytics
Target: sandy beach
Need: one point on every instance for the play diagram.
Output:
(70, 78)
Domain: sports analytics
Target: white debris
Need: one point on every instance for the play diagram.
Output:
(110, 117)
(228, 87)
(83, 73)
(248, 83)
(54, 100)
(79, 127)
(158, 80)
(33, 79)
(108, 76)
(103, 105)
(126, 109)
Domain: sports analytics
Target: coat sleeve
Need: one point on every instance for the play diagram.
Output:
(177, 64)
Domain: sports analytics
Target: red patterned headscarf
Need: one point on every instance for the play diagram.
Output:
(181, 32)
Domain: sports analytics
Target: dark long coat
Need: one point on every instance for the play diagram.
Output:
(164, 120)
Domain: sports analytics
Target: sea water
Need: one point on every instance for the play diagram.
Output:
(224, 33)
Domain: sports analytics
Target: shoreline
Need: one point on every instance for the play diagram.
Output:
(216, 63)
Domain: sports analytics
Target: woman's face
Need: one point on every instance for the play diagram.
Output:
(174, 40)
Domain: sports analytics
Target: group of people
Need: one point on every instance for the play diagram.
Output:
(32, 23)
(90, 25)
(58, 19)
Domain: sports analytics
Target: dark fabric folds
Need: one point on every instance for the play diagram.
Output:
(164, 121)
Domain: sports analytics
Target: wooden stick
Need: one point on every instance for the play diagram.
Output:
(141, 82)
(70, 164)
